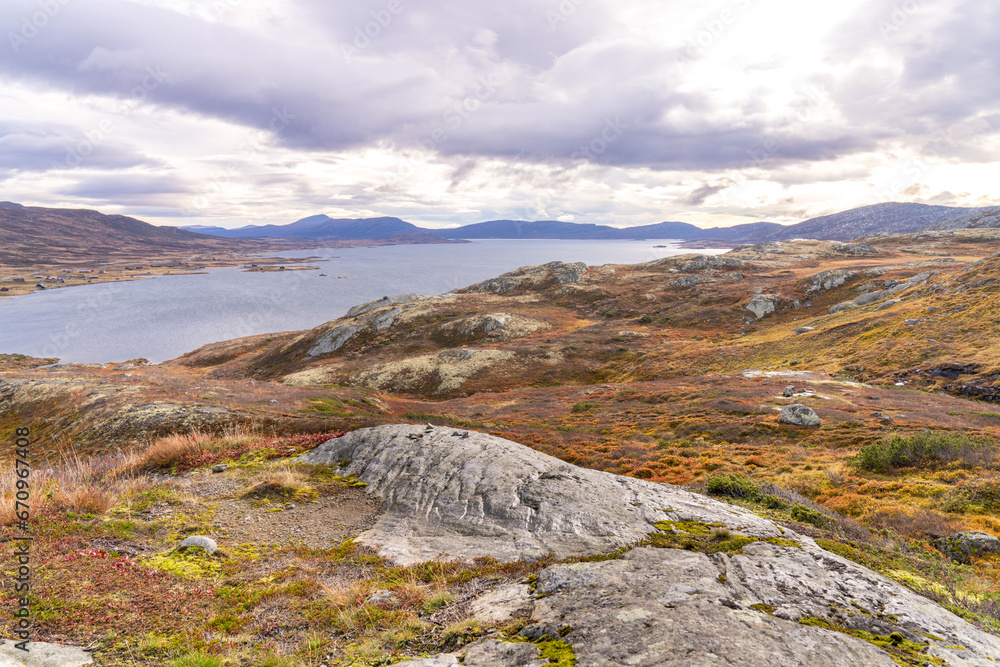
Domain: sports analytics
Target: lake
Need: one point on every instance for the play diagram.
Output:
(164, 317)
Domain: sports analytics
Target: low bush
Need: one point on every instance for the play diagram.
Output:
(924, 450)
(733, 486)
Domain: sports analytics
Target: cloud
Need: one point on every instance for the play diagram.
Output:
(698, 196)
(39, 147)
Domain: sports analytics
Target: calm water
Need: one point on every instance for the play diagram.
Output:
(164, 317)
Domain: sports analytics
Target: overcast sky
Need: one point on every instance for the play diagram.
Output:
(446, 112)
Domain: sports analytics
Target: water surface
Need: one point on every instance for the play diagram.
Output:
(164, 317)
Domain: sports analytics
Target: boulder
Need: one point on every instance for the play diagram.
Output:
(799, 415)
(869, 297)
(888, 304)
(962, 547)
(802, 330)
(843, 305)
(206, 543)
(788, 391)
(762, 304)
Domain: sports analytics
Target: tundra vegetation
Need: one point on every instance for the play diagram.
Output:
(629, 370)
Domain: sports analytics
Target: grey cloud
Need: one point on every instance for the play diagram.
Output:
(950, 77)
(483, 87)
(698, 196)
(131, 189)
(39, 147)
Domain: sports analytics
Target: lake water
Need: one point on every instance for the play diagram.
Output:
(164, 317)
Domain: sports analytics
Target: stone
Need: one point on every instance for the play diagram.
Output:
(206, 543)
(962, 546)
(843, 305)
(788, 391)
(689, 281)
(461, 494)
(799, 415)
(762, 304)
(802, 330)
(42, 654)
(888, 304)
(827, 280)
(869, 297)
(221, 467)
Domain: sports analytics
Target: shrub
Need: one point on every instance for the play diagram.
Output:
(733, 486)
(808, 515)
(926, 449)
(585, 406)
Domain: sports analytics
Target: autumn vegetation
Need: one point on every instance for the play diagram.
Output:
(668, 384)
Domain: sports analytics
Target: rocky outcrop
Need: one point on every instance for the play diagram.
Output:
(439, 373)
(494, 327)
(377, 318)
(363, 308)
(461, 494)
(827, 280)
(776, 598)
(856, 249)
(689, 281)
(553, 273)
(962, 547)
(702, 262)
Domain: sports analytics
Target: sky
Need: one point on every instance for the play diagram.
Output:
(449, 112)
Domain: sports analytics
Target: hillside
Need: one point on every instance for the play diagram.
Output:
(38, 236)
(986, 218)
(554, 452)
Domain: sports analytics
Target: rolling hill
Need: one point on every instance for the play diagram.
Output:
(32, 235)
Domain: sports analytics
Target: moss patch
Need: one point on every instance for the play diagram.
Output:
(902, 651)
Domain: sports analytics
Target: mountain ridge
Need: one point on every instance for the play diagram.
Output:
(882, 218)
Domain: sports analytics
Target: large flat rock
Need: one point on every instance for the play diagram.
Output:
(457, 494)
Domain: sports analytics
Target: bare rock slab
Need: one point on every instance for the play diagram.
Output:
(778, 602)
(463, 495)
(41, 654)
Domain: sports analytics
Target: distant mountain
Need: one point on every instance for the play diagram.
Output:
(35, 235)
(321, 227)
(980, 218)
(887, 218)
(523, 229)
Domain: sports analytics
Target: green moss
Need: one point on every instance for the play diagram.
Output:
(705, 538)
(190, 564)
(766, 608)
(557, 652)
(902, 651)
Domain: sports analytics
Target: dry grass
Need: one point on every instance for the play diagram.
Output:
(280, 483)
(92, 485)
